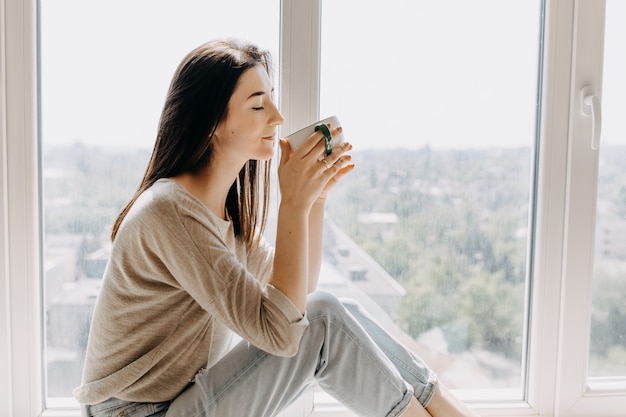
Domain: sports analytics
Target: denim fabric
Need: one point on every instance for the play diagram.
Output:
(343, 349)
(118, 408)
(413, 370)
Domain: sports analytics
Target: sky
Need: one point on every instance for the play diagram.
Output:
(398, 74)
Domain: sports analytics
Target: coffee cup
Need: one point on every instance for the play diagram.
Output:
(296, 139)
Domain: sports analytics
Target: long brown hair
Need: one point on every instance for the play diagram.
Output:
(197, 101)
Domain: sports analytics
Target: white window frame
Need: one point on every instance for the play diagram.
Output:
(581, 395)
(560, 304)
(20, 318)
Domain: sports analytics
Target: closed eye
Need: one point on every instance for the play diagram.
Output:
(260, 94)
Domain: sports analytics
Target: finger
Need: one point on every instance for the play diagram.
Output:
(328, 138)
(343, 171)
(330, 141)
(336, 178)
(336, 166)
(338, 152)
(316, 143)
(335, 131)
(285, 151)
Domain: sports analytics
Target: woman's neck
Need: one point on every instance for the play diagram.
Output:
(210, 189)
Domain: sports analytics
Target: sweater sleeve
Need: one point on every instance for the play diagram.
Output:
(201, 264)
(260, 261)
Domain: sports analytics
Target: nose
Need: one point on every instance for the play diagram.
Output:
(276, 118)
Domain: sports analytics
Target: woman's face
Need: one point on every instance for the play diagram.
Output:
(249, 130)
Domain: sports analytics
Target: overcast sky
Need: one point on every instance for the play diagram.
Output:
(449, 74)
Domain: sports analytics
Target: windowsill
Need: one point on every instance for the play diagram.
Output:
(325, 406)
(606, 386)
(479, 400)
(485, 410)
(61, 407)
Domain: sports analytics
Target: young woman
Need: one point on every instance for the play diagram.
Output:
(189, 268)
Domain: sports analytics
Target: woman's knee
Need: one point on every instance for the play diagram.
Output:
(350, 303)
(322, 303)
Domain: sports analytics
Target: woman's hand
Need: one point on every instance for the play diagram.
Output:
(306, 175)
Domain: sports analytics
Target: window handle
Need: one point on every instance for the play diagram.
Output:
(591, 106)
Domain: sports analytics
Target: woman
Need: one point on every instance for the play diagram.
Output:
(189, 267)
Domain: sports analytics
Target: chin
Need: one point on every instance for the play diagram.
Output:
(266, 154)
(268, 157)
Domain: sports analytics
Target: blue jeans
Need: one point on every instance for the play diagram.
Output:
(343, 349)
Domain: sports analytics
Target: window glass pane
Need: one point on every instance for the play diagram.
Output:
(105, 70)
(608, 321)
(431, 230)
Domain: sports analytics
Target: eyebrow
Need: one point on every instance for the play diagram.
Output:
(258, 93)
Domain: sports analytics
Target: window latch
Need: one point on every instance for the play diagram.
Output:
(591, 106)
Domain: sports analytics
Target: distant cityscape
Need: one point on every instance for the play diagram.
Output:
(407, 229)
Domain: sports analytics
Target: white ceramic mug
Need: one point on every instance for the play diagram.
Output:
(297, 138)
